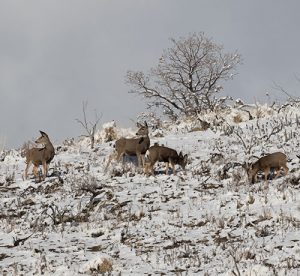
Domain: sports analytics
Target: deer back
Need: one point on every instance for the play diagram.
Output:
(161, 154)
(39, 155)
(273, 160)
(132, 146)
(129, 146)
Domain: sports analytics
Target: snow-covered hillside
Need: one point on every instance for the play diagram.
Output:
(209, 220)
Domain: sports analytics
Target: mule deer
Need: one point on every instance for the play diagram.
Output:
(276, 160)
(158, 153)
(132, 146)
(40, 156)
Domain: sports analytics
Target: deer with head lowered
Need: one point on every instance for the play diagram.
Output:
(40, 156)
(276, 160)
(133, 146)
(170, 156)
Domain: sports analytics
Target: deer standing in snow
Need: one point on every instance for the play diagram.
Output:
(276, 160)
(170, 156)
(40, 156)
(132, 146)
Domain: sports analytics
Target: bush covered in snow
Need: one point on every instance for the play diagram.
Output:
(207, 220)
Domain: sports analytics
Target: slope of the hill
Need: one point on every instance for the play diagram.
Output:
(208, 220)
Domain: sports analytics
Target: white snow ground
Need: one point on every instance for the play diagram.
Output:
(208, 220)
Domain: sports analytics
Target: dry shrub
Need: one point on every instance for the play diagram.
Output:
(69, 142)
(105, 267)
(294, 180)
(259, 113)
(204, 124)
(110, 134)
(197, 128)
(25, 147)
(158, 133)
(237, 119)
(125, 169)
(196, 124)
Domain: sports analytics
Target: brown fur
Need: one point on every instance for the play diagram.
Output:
(132, 146)
(276, 160)
(40, 156)
(170, 156)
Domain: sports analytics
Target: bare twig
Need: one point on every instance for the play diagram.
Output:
(17, 241)
(90, 127)
(231, 252)
(291, 97)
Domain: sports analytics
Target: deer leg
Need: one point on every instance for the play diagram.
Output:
(254, 177)
(110, 158)
(139, 158)
(26, 170)
(143, 159)
(149, 168)
(266, 173)
(171, 161)
(35, 171)
(45, 170)
(173, 168)
(277, 173)
(167, 168)
(152, 169)
(286, 169)
(120, 155)
(146, 168)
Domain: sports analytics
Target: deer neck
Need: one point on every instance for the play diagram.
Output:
(49, 146)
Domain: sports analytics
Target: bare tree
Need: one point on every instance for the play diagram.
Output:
(291, 99)
(187, 78)
(90, 127)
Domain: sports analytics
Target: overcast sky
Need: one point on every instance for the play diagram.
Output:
(55, 54)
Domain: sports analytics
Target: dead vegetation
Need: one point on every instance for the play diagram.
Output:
(207, 221)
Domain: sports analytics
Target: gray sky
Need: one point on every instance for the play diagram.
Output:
(54, 54)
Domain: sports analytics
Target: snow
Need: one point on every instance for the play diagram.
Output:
(209, 220)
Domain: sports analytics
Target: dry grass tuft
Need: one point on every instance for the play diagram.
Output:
(238, 118)
(105, 267)
(110, 134)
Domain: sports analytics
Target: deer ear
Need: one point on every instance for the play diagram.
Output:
(43, 133)
(146, 124)
(180, 154)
